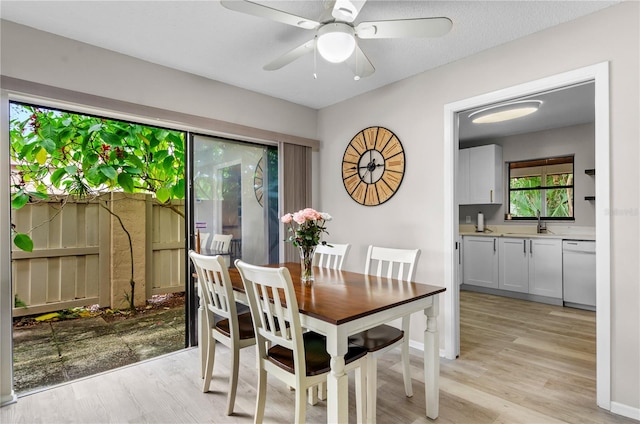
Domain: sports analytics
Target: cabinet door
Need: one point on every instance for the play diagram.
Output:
(485, 174)
(462, 184)
(480, 261)
(545, 267)
(514, 265)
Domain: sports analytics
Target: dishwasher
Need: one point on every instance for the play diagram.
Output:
(579, 274)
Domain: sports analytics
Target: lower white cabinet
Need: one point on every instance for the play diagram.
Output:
(514, 265)
(545, 267)
(480, 261)
(525, 265)
(531, 266)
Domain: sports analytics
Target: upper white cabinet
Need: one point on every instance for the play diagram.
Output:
(480, 175)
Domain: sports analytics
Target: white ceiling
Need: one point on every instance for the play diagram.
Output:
(565, 107)
(206, 39)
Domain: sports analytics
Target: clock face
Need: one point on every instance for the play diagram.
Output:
(258, 182)
(373, 166)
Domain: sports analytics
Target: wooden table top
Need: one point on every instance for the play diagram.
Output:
(341, 296)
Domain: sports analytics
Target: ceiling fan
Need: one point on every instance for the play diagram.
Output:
(336, 33)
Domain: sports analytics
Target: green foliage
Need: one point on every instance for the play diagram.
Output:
(23, 242)
(527, 202)
(84, 155)
(18, 303)
(62, 152)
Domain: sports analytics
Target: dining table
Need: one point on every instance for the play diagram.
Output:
(341, 303)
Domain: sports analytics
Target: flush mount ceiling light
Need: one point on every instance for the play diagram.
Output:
(335, 42)
(505, 111)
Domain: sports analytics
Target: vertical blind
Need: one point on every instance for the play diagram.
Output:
(296, 186)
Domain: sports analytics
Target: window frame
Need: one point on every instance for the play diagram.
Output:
(543, 163)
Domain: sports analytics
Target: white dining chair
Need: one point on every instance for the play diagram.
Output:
(221, 319)
(298, 359)
(330, 255)
(390, 263)
(220, 245)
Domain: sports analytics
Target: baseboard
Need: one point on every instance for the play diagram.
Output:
(625, 411)
(513, 294)
(420, 347)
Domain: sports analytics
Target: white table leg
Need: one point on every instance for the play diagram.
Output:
(432, 359)
(337, 380)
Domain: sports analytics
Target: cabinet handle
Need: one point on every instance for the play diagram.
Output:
(494, 245)
(491, 195)
(524, 247)
(531, 247)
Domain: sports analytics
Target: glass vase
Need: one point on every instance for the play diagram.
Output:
(306, 264)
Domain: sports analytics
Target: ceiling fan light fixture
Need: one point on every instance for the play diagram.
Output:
(505, 112)
(336, 42)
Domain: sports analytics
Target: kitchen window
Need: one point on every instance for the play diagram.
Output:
(541, 186)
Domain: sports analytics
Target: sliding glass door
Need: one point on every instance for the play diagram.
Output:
(235, 191)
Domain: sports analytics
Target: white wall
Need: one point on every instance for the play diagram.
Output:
(48, 59)
(413, 109)
(578, 140)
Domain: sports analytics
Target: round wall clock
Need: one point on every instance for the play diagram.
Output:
(258, 182)
(373, 166)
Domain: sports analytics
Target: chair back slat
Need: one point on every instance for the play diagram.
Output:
(221, 242)
(392, 263)
(274, 307)
(214, 285)
(331, 255)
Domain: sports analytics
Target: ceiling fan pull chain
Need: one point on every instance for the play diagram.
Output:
(356, 77)
(315, 57)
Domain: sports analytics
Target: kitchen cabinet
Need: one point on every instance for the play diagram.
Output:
(480, 175)
(545, 267)
(514, 265)
(531, 266)
(458, 268)
(480, 261)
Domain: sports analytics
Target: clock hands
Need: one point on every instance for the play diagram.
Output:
(370, 167)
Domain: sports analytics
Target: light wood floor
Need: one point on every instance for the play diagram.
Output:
(520, 362)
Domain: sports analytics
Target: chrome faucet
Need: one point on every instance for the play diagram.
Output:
(542, 227)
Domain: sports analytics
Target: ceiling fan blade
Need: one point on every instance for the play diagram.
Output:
(261, 11)
(422, 27)
(290, 56)
(347, 10)
(360, 64)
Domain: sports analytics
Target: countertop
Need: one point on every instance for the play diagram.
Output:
(523, 231)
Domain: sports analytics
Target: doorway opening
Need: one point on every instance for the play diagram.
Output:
(599, 75)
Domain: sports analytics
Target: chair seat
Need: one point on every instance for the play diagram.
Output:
(377, 338)
(245, 327)
(317, 358)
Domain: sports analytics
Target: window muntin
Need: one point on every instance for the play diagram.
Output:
(544, 186)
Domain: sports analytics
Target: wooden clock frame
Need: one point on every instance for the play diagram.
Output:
(373, 166)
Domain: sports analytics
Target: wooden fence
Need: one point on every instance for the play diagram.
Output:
(73, 264)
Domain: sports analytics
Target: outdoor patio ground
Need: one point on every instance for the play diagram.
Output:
(53, 352)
